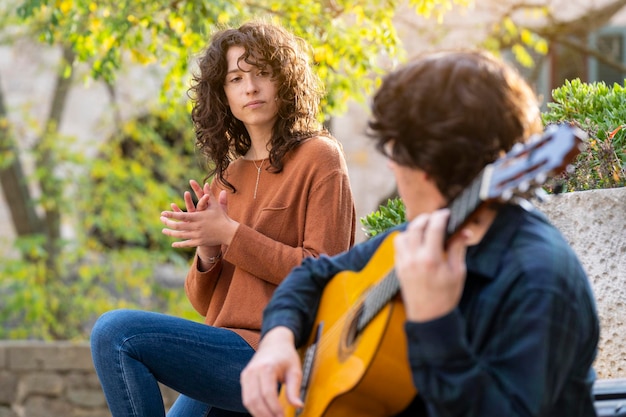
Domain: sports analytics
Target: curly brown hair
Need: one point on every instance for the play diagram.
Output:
(450, 113)
(219, 135)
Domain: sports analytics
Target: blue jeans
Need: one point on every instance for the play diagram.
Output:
(133, 350)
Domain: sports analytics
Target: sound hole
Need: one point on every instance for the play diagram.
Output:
(350, 332)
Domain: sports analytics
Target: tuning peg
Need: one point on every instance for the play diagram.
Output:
(541, 178)
(541, 195)
(517, 147)
(534, 138)
(507, 194)
(523, 203)
(524, 186)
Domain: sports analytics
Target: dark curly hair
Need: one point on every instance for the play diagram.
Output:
(219, 135)
(450, 113)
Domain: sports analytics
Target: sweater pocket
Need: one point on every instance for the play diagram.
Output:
(278, 223)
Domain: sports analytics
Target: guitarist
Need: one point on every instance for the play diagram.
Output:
(500, 317)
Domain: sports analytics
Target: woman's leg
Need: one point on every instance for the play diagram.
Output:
(132, 350)
(185, 407)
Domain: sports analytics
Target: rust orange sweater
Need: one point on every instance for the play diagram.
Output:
(305, 210)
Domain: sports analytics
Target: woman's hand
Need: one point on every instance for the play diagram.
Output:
(205, 225)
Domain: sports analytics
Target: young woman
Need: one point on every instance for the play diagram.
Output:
(280, 193)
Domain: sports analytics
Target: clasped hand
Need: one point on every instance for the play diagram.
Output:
(203, 225)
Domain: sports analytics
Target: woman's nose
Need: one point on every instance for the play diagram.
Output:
(251, 85)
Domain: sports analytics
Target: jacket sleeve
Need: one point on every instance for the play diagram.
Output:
(521, 371)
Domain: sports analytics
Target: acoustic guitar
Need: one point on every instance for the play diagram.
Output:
(355, 362)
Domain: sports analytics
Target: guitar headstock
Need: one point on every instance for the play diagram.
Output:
(520, 173)
(527, 166)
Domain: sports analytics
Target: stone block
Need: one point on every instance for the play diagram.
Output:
(7, 412)
(8, 388)
(85, 397)
(82, 379)
(61, 356)
(40, 383)
(40, 406)
(3, 357)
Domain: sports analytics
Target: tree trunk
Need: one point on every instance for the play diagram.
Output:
(13, 181)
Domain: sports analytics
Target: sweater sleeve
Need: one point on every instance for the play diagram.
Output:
(329, 228)
(201, 282)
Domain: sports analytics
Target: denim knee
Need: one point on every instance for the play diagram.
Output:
(110, 328)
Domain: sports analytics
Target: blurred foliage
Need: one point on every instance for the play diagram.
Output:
(111, 202)
(350, 39)
(118, 246)
(600, 111)
(523, 43)
(137, 174)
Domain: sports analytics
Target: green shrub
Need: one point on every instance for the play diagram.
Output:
(600, 111)
(388, 215)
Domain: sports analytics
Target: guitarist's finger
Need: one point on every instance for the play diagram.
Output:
(293, 381)
(457, 249)
(434, 235)
(269, 393)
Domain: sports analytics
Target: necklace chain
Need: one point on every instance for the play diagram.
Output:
(258, 176)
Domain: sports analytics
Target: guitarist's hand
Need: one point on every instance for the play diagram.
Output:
(276, 361)
(431, 279)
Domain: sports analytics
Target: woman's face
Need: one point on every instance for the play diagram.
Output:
(251, 93)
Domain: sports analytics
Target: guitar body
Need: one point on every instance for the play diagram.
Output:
(365, 374)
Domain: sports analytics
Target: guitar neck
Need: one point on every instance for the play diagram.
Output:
(461, 209)
(466, 203)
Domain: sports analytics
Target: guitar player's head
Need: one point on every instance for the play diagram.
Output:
(445, 115)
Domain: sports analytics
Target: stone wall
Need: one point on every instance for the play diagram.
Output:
(594, 223)
(57, 379)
